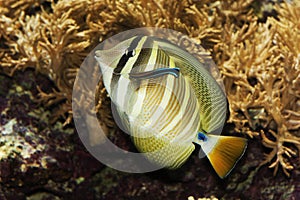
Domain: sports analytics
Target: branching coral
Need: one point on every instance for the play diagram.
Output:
(179, 15)
(14, 8)
(52, 43)
(261, 72)
(258, 61)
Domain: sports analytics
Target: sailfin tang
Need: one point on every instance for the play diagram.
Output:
(224, 152)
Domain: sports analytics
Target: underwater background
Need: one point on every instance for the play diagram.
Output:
(255, 45)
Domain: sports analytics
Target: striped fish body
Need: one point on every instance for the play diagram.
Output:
(163, 113)
(151, 53)
(159, 113)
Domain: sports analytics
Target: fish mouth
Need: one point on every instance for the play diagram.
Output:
(102, 56)
(104, 62)
(105, 55)
(98, 53)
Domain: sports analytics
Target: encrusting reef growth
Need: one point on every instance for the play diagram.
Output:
(257, 57)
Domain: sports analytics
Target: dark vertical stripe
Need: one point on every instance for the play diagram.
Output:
(143, 57)
(122, 62)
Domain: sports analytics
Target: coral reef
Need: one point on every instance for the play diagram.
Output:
(255, 44)
(262, 80)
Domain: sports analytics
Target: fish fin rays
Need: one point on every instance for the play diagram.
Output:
(224, 152)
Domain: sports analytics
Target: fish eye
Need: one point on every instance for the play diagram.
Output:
(130, 52)
(133, 52)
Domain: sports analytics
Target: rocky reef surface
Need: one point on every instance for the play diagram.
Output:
(43, 161)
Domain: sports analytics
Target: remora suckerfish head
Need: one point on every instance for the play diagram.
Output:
(108, 60)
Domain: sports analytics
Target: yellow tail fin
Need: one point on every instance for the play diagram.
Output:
(223, 152)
